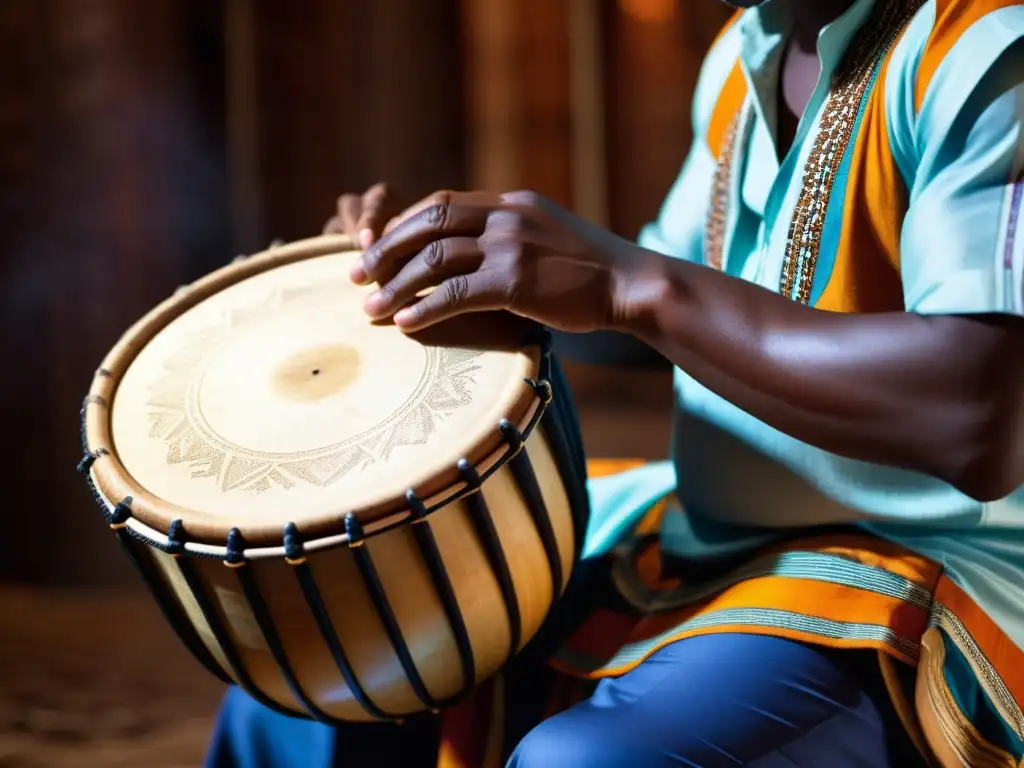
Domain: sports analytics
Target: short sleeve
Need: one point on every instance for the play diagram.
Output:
(962, 244)
(678, 230)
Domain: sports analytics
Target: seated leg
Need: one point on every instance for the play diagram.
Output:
(248, 735)
(731, 700)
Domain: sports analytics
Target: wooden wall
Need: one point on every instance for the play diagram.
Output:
(145, 143)
(540, 73)
(111, 182)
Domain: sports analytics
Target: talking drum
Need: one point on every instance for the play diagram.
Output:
(350, 523)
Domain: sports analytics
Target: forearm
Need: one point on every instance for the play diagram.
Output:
(941, 395)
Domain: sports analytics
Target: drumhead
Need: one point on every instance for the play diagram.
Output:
(263, 395)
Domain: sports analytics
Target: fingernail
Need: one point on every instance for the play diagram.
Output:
(365, 238)
(404, 317)
(357, 274)
(374, 303)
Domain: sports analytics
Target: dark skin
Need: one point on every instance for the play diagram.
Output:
(942, 395)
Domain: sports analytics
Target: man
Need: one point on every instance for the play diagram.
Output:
(838, 276)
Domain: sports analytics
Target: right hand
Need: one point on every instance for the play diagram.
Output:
(365, 216)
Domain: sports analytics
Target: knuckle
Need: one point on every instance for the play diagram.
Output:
(438, 214)
(456, 289)
(433, 254)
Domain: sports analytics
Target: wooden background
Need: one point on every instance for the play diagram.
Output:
(143, 144)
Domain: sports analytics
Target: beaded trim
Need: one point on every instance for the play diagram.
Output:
(850, 85)
(718, 212)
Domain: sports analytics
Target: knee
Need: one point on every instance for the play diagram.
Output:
(247, 734)
(566, 740)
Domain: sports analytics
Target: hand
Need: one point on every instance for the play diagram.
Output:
(364, 216)
(481, 252)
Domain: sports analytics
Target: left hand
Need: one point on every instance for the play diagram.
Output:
(480, 252)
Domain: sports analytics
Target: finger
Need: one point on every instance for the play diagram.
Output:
(476, 292)
(378, 204)
(445, 196)
(334, 226)
(387, 256)
(440, 260)
(344, 220)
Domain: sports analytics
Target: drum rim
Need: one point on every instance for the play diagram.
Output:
(159, 523)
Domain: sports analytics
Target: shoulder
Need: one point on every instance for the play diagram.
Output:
(715, 72)
(721, 87)
(965, 38)
(946, 52)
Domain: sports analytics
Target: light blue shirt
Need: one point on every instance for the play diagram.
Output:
(961, 251)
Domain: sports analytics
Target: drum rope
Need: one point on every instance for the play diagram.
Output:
(144, 565)
(446, 592)
(487, 534)
(295, 556)
(213, 620)
(250, 588)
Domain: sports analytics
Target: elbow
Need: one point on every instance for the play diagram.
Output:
(991, 464)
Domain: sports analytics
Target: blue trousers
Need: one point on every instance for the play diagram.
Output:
(710, 701)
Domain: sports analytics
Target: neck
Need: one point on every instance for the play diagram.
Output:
(813, 15)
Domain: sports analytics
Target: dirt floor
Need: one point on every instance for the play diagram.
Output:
(97, 679)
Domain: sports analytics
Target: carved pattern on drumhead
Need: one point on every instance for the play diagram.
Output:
(175, 417)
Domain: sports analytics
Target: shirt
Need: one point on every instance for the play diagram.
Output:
(959, 150)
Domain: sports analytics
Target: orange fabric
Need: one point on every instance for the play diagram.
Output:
(605, 467)
(997, 647)
(730, 100)
(606, 632)
(866, 271)
(813, 598)
(649, 569)
(952, 19)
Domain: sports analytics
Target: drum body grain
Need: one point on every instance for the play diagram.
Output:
(350, 524)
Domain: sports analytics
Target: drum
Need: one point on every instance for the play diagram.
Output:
(349, 522)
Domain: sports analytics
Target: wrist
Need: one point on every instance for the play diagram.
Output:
(643, 287)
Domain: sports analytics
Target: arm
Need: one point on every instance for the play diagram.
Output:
(937, 389)
(939, 394)
(940, 388)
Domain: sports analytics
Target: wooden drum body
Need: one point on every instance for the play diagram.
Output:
(349, 523)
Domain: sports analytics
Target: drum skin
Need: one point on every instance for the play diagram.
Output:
(444, 565)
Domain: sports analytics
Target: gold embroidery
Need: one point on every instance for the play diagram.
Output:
(718, 212)
(954, 738)
(987, 676)
(850, 85)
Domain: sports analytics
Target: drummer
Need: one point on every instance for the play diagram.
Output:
(849, 435)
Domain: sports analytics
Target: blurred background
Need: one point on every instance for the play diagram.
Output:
(144, 143)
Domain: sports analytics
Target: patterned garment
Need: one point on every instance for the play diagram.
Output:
(902, 192)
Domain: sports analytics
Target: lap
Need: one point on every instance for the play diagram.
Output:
(716, 700)
(729, 700)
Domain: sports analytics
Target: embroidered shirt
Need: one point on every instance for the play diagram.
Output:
(953, 99)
